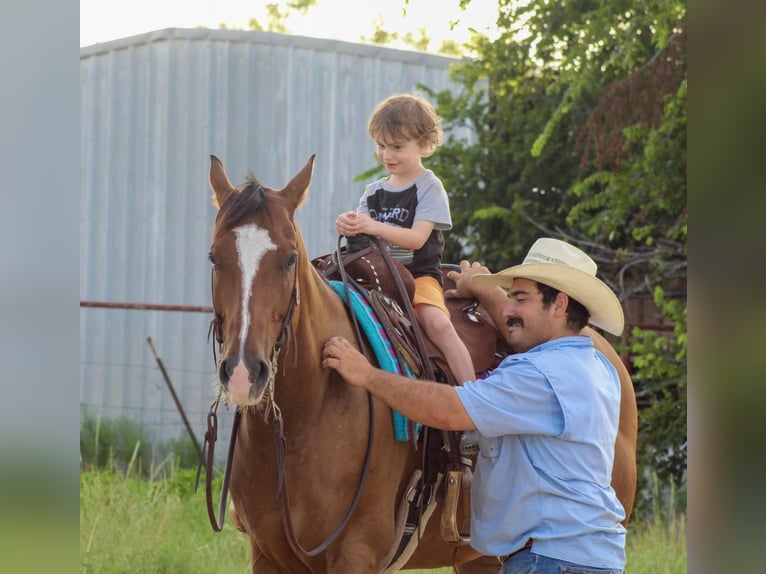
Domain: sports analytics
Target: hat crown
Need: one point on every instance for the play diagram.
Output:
(557, 252)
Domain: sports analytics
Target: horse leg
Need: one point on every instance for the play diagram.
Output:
(261, 564)
(352, 560)
(234, 518)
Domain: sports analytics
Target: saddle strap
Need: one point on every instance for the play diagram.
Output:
(414, 513)
(397, 327)
(428, 371)
(345, 278)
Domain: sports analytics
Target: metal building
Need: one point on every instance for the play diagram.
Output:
(153, 109)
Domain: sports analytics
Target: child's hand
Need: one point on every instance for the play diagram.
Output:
(346, 224)
(364, 223)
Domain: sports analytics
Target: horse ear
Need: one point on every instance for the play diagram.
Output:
(297, 190)
(219, 182)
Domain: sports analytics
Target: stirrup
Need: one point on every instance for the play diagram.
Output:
(448, 525)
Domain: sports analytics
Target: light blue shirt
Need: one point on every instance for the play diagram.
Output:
(548, 422)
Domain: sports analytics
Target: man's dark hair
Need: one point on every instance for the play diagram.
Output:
(577, 314)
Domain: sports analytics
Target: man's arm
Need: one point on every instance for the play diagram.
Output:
(491, 297)
(430, 403)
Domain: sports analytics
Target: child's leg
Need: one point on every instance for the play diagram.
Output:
(440, 330)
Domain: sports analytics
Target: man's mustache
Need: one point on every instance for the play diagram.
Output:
(513, 321)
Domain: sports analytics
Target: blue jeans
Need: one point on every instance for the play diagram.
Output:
(525, 562)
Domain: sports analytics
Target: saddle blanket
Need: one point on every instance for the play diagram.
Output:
(382, 347)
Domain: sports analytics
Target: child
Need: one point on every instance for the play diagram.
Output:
(408, 210)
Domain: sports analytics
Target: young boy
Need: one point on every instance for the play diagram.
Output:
(409, 209)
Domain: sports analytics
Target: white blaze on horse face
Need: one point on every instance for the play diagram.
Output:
(252, 243)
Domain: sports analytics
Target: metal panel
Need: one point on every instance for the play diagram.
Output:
(153, 107)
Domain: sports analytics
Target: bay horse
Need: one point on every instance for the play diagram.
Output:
(318, 491)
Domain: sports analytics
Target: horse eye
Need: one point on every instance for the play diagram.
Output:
(291, 261)
(211, 258)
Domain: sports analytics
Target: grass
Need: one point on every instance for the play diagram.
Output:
(658, 547)
(130, 524)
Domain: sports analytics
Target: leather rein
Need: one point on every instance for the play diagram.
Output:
(211, 435)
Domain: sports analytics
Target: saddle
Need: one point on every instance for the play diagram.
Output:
(389, 287)
(369, 270)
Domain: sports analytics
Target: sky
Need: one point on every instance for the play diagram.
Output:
(348, 20)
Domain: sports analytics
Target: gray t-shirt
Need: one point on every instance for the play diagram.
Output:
(423, 199)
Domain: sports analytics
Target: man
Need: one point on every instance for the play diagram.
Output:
(547, 418)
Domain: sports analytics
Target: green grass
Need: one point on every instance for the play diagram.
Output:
(658, 547)
(130, 525)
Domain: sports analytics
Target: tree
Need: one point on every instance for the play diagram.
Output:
(276, 19)
(572, 123)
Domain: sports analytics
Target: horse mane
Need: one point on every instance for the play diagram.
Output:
(251, 197)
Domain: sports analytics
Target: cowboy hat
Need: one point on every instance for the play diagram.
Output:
(568, 269)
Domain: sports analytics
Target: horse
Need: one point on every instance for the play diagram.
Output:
(317, 475)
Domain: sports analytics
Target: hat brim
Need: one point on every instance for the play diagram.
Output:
(595, 295)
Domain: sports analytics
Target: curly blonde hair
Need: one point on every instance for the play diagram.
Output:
(405, 117)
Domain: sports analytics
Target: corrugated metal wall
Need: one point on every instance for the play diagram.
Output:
(153, 107)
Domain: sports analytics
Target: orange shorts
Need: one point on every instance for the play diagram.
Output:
(429, 292)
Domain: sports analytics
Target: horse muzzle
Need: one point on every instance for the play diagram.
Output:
(244, 382)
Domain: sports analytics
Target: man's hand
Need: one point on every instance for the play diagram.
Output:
(492, 298)
(352, 365)
(465, 286)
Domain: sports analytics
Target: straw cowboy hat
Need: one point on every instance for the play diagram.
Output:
(568, 269)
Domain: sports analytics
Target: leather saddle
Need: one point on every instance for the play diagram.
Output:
(368, 269)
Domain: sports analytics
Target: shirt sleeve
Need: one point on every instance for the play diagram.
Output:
(362, 207)
(515, 399)
(433, 204)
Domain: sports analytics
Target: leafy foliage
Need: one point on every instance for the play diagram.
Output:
(659, 372)
(572, 124)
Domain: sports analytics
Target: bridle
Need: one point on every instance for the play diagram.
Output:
(270, 407)
(211, 434)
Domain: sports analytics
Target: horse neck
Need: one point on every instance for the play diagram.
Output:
(301, 382)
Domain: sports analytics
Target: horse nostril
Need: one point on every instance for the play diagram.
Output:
(257, 370)
(226, 368)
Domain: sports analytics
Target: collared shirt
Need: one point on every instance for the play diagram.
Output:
(548, 421)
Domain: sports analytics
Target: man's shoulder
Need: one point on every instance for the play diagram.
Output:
(549, 350)
(571, 342)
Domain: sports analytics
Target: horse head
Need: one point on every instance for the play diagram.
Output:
(254, 254)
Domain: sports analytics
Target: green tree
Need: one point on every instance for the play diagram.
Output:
(277, 19)
(572, 123)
